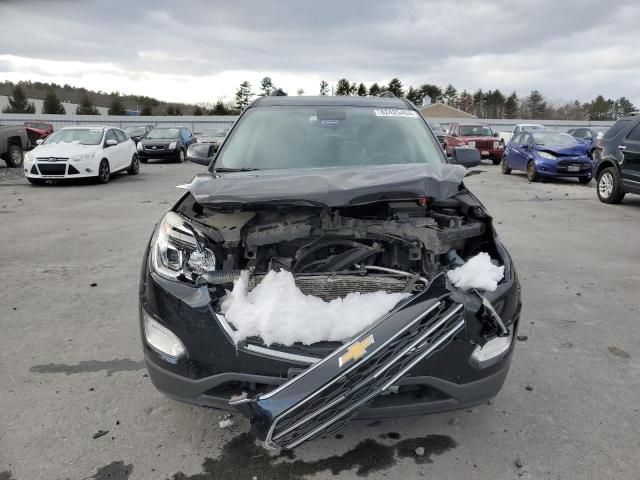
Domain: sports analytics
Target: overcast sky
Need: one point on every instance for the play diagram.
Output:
(201, 50)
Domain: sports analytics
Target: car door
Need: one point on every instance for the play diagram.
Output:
(124, 158)
(513, 151)
(111, 151)
(630, 165)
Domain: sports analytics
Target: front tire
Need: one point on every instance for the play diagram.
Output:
(532, 174)
(610, 186)
(181, 156)
(505, 165)
(104, 171)
(14, 156)
(134, 168)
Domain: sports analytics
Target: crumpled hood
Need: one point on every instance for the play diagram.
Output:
(63, 150)
(331, 187)
(578, 149)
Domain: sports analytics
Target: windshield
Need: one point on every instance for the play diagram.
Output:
(308, 137)
(135, 131)
(164, 133)
(214, 132)
(39, 126)
(84, 136)
(553, 138)
(475, 131)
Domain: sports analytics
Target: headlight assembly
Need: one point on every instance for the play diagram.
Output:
(547, 155)
(179, 250)
(140, 147)
(172, 145)
(82, 158)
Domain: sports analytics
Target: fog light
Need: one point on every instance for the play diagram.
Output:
(162, 340)
(491, 352)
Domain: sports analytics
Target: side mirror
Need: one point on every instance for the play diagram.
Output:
(111, 142)
(39, 141)
(467, 157)
(496, 134)
(199, 153)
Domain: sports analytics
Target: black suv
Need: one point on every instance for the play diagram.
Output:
(618, 170)
(166, 142)
(338, 195)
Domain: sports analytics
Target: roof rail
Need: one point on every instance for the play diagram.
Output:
(388, 94)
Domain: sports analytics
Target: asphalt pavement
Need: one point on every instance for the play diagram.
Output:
(75, 400)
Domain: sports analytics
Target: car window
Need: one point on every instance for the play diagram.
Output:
(186, 134)
(120, 135)
(526, 139)
(617, 128)
(322, 136)
(110, 136)
(516, 139)
(634, 135)
(587, 134)
(476, 131)
(84, 136)
(516, 130)
(577, 132)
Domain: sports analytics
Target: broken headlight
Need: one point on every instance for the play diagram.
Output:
(179, 250)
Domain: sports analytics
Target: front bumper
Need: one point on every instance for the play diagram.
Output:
(61, 170)
(562, 169)
(164, 153)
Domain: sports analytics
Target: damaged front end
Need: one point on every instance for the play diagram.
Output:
(439, 348)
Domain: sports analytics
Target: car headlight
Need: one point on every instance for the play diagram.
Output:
(82, 158)
(161, 339)
(180, 250)
(472, 144)
(28, 157)
(496, 145)
(172, 145)
(547, 155)
(140, 147)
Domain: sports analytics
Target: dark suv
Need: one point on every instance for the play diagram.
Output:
(339, 197)
(618, 170)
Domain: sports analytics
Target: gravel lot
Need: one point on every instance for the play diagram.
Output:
(70, 358)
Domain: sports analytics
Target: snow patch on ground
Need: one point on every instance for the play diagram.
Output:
(278, 312)
(478, 272)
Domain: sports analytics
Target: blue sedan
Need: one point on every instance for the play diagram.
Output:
(547, 154)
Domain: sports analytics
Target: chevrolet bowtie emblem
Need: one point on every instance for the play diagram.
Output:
(356, 351)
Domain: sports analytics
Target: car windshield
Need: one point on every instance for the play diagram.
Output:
(528, 128)
(214, 132)
(39, 126)
(553, 138)
(307, 137)
(475, 131)
(135, 131)
(84, 136)
(164, 133)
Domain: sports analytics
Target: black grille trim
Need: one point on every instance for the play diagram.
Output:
(52, 169)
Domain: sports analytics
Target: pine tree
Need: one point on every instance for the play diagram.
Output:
(451, 95)
(432, 91)
(85, 107)
(362, 90)
(511, 106)
(243, 94)
(343, 87)
(465, 102)
(266, 85)
(536, 105)
(147, 109)
(52, 104)
(220, 108)
(414, 96)
(324, 88)
(375, 90)
(18, 102)
(300, 92)
(116, 107)
(197, 111)
(395, 87)
(625, 107)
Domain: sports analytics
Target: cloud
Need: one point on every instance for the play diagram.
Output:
(202, 50)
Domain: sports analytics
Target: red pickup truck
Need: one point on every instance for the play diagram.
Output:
(474, 135)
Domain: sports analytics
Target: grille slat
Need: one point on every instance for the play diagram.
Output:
(53, 169)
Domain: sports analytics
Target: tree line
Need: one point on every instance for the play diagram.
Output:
(483, 104)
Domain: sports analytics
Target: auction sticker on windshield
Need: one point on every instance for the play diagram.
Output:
(395, 112)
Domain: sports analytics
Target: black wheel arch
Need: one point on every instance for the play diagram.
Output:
(605, 163)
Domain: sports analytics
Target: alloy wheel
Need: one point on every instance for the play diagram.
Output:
(605, 185)
(104, 172)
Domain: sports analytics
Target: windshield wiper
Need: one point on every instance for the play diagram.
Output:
(243, 169)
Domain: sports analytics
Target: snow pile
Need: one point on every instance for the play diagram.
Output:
(278, 312)
(478, 273)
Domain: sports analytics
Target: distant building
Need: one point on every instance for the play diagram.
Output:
(440, 110)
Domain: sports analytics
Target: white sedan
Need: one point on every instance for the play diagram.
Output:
(77, 152)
